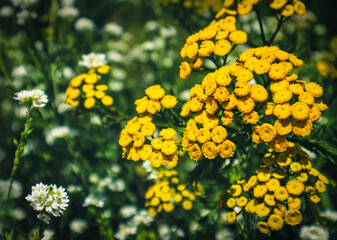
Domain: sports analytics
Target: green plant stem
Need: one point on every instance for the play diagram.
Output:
(39, 231)
(279, 25)
(258, 14)
(16, 162)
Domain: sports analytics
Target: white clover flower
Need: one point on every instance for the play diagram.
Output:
(68, 12)
(6, 11)
(113, 29)
(84, 24)
(314, 232)
(78, 225)
(329, 215)
(32, 98)
(48, 199)
(57, 133)
(125, 230)
(118, 73)
(92, 60)
(128, 211)
(166, 232)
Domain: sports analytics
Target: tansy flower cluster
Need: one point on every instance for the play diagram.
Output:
(86, 89)
(286, 7)
(276, 192)
(217, 38)
(137, 138)
(168, 193)
(199, 6)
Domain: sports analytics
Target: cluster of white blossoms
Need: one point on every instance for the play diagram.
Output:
(313, 232)
(48, 199)
(92, 60)
(33, 98)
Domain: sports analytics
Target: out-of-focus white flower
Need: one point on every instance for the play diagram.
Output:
(78, 225)
(314, 232)
(319, 29)
(92, 60)
(224, 234)
(117, 185)
(94, 200)
(68, 73)
(142, 217)
(168, 62)
(23, 3)
(184, 95)
(125, 230)
(118, 74)
(68, 12)
(329, 215)
(74, 188)
(116, 86)
(16, 191)
(148, 45)
(21, 17)
(18, 213)
(48, 200)
(32, 98)
(115, 56)
(115, 169)
(58, 132)
(84, 24)
(6, 11)
(166, 232)
(93, 178)
(128, 211)
(19, 71)
(168, 32)
(151, 25)
(113, 29)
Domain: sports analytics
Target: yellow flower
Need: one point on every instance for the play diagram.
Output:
(242, 201)
(315, 89)
(282, 96)
(195, 105)
(238, 37)
(294, 202)
(177, 198)
(262, 210)
(267, 132)
(283, 126)
(191, 50)
(219, 134)
(227, 149)
(169, 101)
(302, 128)
(211, 106)
(303, 177)
(77, 81)
(251, 117)
(260, 191)
(295, 187)
(89, 103)
(152, 212)
(269, 200)
(277, 72)
(283, 160)
(293, 217)
(185, 70)
(244, 7)
(148, 129)
(167, 133)
(279, 209)
(269, 108)
(138, 139)
(258, 93)
(221, 94)
(315, 198)
(296, 88)
(157, 143)
(243, 75)
(282, 111)
(231, 202)
(169, 147)
(279, 144)
(231, 103)
(222, 47)
(168, 207)
(227, 117)
(261, 66)
(194, 151)
(279, 85)
(204, 135)
(124, 139)
(242, 88)
(263, 227)
(315, 114)
(73, 93)
(305, 163)
(275, 222)
(251, 206)
(277, 4)
(155, 92)
(91, 78)
(287, 10)
(263, 176)
(245, 104)
(323, 178)
(187, 205)
(273, 184)
(320, 186)
(210, 150)
(156, 159)
(231, 217)
(107, 100)
(235, 190)
(281, 194)
(206, 48)
(306, 97)
(300, 8)
(145, 152)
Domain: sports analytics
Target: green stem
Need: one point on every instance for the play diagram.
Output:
(258, 14)
(279, 25)
(39, 231)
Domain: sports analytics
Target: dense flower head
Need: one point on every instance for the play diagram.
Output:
(88, 89)
(35, 98)
(168, 192)
(48, 199)
(276, 192)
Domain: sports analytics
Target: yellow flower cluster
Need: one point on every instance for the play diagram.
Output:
(217, 38)
(286, 7)
(276, 192)
(168, 193)
(137, 138)
(85, 89)
(291, 104)
(199, 5)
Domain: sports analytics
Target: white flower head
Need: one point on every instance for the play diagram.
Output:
(78, 225)
(57, 133)
(92, 60)
(329, 215)
(32, 98)
(48, 200)
(6, 11)
(84, 24)
(68, 12)
(113, 29)
(314, 232)
(23, 3)
(128, 211)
